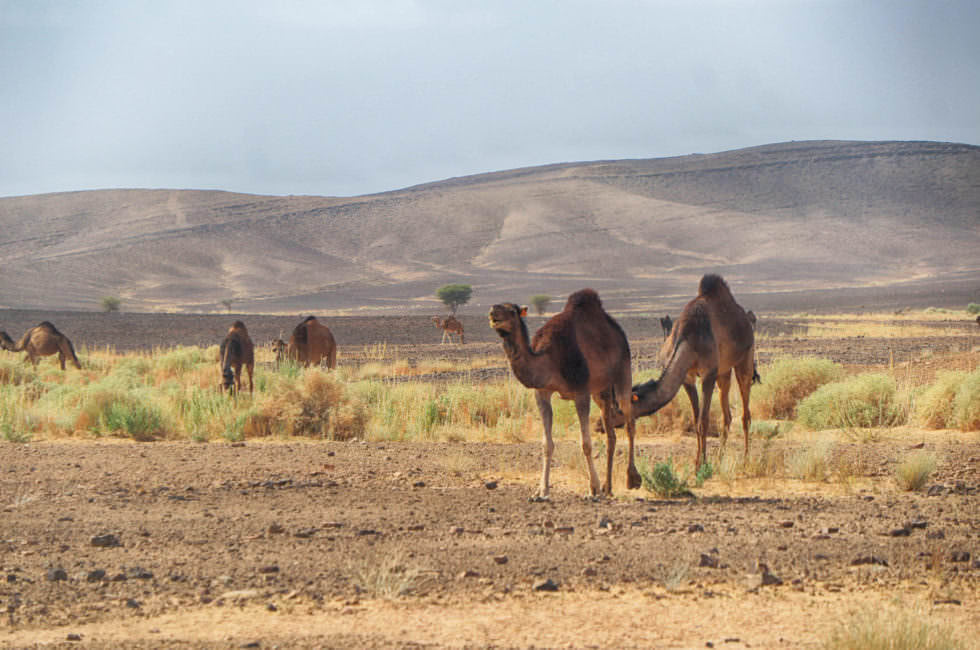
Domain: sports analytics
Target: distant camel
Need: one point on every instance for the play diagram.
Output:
(237, 351)
(449, 326)
(667, 324)
(712, 337)
(312, 342)
(751, 316)
(41, 341)
(279, 349)
(578, 353)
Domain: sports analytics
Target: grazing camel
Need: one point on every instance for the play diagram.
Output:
(449, 326)
(312, 342)
(667, 324)
(712, 337)
(41, 341)
(579, 353)
(237, 351)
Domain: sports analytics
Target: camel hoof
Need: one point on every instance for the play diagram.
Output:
(537, 498)
(594, 498)
(634, 481)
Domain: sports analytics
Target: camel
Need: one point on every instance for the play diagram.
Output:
(667, 324)
(579, 353)
(712, 338)
(41, 341)
(312, 342)
(449, 326)
(236, 351)
(279, 349)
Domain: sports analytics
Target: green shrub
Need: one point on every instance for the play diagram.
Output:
(786, 382)
(867, 400)
(662, 479)
(913, 472)
(973, 308)
(966, 403)
(934, 407)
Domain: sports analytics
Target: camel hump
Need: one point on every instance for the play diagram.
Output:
(239, 325)
(301, 332)
(584, 299)
(714, 286)
(48, 325)
(309, 318)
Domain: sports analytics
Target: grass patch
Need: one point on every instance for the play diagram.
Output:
(914, 471)
(389, 577)
(789, 381)
(664, 480)
(863, 401)
(892, 629)
(966, 403)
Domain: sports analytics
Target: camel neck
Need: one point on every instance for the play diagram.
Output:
(524, 362)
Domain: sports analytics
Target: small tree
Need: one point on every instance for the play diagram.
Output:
(110, 304)
(540, 302)
(454, 295)
(227, 303)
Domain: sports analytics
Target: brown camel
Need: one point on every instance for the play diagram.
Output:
(578, 353)
(237, 351)
(312, 342)
(712, 337)
(449, 326)
(667, 324)
(41, 341)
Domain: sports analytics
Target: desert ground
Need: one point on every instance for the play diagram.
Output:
(297, 543)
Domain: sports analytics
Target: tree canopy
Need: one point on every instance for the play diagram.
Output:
(540, 302)
(454, 295)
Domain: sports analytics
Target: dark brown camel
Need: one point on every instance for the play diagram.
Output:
(449, 326)
(41, 341)
(579, 353)
(237, 351)
(279, 350)
(312, 343)
(666, 323)
(712, 337)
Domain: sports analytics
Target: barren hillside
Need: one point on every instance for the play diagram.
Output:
(869, 217)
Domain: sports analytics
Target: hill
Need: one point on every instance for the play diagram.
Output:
(860, 219)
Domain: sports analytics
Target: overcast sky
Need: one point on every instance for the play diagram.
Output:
(360, 96)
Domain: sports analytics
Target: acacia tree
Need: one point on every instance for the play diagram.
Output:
(454, 295)
(540, 302)
(111, 304)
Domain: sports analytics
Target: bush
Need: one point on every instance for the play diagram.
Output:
(863, 401)
(540, 302)
(973, 308)
(913, 472)
(111, 303)
(966, 403)
(662, 480)
(934, 407)
(789, 381)
(890, 629)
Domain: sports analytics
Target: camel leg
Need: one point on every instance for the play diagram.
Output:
(606, 406)
(543, 399)
(582, 406)
(61, 359)
(250, 368)
(704, 421)
(633, 479)
(724, 385)
(692, 395)
(744, 379)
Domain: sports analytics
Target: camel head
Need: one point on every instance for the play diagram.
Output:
(228, 379)
(506, 318)
(279, 348)
(7, 344)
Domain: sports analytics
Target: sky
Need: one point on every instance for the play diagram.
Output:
(342, 98)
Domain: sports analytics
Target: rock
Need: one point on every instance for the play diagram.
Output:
(133, 603)
(708, 561)
(786, 524)
(501, 559)
(545, 585)
(959, 556)
(56, 574)
(605, 522)
(899, 532)
(935, 490)
(305, 533)
(276, 529)
(695, 528)
(919, 524)
(456, 530)
(936, 534)
(490, 485)
(418, 484)
(272, 568)
(589, 571)
(73, 637)
(469, 573)
(95, 575)
(107, 540)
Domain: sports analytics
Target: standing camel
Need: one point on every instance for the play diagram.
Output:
(449, 326)
(311, 343)
(41, 341)
(666, 323)
(712, 337)
(237, 351)
(579, 353)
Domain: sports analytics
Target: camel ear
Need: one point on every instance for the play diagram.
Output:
(523, 312)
